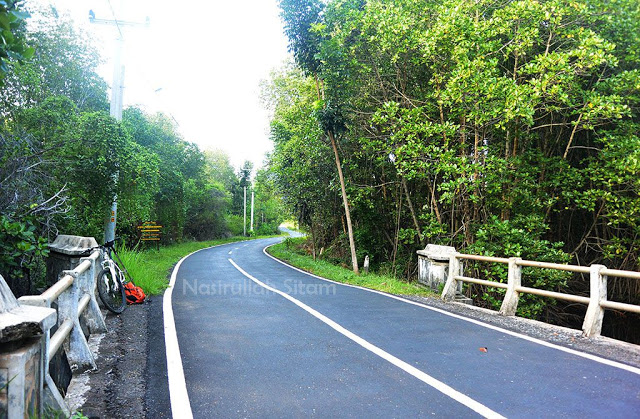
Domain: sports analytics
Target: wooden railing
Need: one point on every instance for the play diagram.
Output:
(74, 296)
(596, 302)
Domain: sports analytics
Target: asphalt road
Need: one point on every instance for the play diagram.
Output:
(260, 339)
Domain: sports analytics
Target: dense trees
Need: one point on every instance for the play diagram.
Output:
(60, 149)
(506, 128)
(13, 47)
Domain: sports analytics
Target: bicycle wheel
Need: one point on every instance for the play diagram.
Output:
(111, 291)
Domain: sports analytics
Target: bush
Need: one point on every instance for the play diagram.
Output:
(520, 237)
(21, 248)
(235, 224)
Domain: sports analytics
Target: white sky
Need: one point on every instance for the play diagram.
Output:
(207, 57)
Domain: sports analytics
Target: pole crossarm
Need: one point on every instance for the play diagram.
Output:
(117, 22)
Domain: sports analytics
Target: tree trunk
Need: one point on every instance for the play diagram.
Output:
(347, 213)
(313, 240)
(413, 213)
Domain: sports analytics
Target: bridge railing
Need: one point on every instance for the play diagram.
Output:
(596, 302)
(73, 295)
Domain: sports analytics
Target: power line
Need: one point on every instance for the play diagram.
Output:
(115, 19)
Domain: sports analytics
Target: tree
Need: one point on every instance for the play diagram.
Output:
(300, 18)
(14, 48)
(512, 125)
(64, 64)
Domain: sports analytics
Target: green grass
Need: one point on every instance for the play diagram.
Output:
(287, 251)
(150, 268)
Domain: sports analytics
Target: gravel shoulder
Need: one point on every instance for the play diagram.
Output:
(120, 386)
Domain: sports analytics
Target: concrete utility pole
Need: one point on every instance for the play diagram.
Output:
(252, 196)
(115, 108)
(245, 212)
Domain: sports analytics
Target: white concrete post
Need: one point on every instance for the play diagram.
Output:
(87, 285)
(24, 332)
(79, 353)
(592, 325)
(514, 280)
(449, 291)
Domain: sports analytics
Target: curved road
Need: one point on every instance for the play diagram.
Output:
(260, 339)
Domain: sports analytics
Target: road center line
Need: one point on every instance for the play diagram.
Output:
(422, 376)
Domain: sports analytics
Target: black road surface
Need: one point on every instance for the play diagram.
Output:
(332, 350)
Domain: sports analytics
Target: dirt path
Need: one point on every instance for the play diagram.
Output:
(119, 387)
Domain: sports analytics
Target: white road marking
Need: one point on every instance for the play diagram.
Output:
(180, 405)
(476, 322)
(230, 251)
(422, 376)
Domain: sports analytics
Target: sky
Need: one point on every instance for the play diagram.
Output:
(200, 62)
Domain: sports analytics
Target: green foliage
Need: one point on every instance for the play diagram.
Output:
(20, 245)
(13, 47)
(64, 64)
(291, 251)
(521, 238)
(299, 17)
(151, 269)
(63, 159)
(498, 127)
(235, 224)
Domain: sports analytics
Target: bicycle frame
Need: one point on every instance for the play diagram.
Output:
(109, 262)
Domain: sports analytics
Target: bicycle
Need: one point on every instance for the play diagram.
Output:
(112, 278)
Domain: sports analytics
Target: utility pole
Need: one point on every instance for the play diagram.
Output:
(252, 196)
(245, 212)
(115, 108)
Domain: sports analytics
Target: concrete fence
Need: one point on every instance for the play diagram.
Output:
(596, 302)
(63, 307)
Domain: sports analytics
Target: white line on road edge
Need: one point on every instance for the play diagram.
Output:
(180, 405)
(474, 321)
(420, 375)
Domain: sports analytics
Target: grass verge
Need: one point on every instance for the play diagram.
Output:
(149, 268)
(287, 251)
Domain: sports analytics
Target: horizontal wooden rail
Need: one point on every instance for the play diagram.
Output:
(481, 282)
(553, 294)
(483, 258)
(63, 332)
(52, 293)
(556, 266)
(596, 302)
(83, 303)
(614, 305)
(621, 274)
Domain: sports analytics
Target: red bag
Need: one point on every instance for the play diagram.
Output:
(134, 294)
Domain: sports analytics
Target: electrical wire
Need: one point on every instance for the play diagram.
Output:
(115, 19)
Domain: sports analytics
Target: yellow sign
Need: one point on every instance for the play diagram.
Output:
(150, 231)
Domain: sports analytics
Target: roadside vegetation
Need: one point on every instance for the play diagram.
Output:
(151, 268)
(295, 251)
(503, 128)
(63, 158)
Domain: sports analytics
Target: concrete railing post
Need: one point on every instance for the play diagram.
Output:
(24, 334)
(514, 280)
(592, 325)
(79, 353)
(87, 286)
(450, 287)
